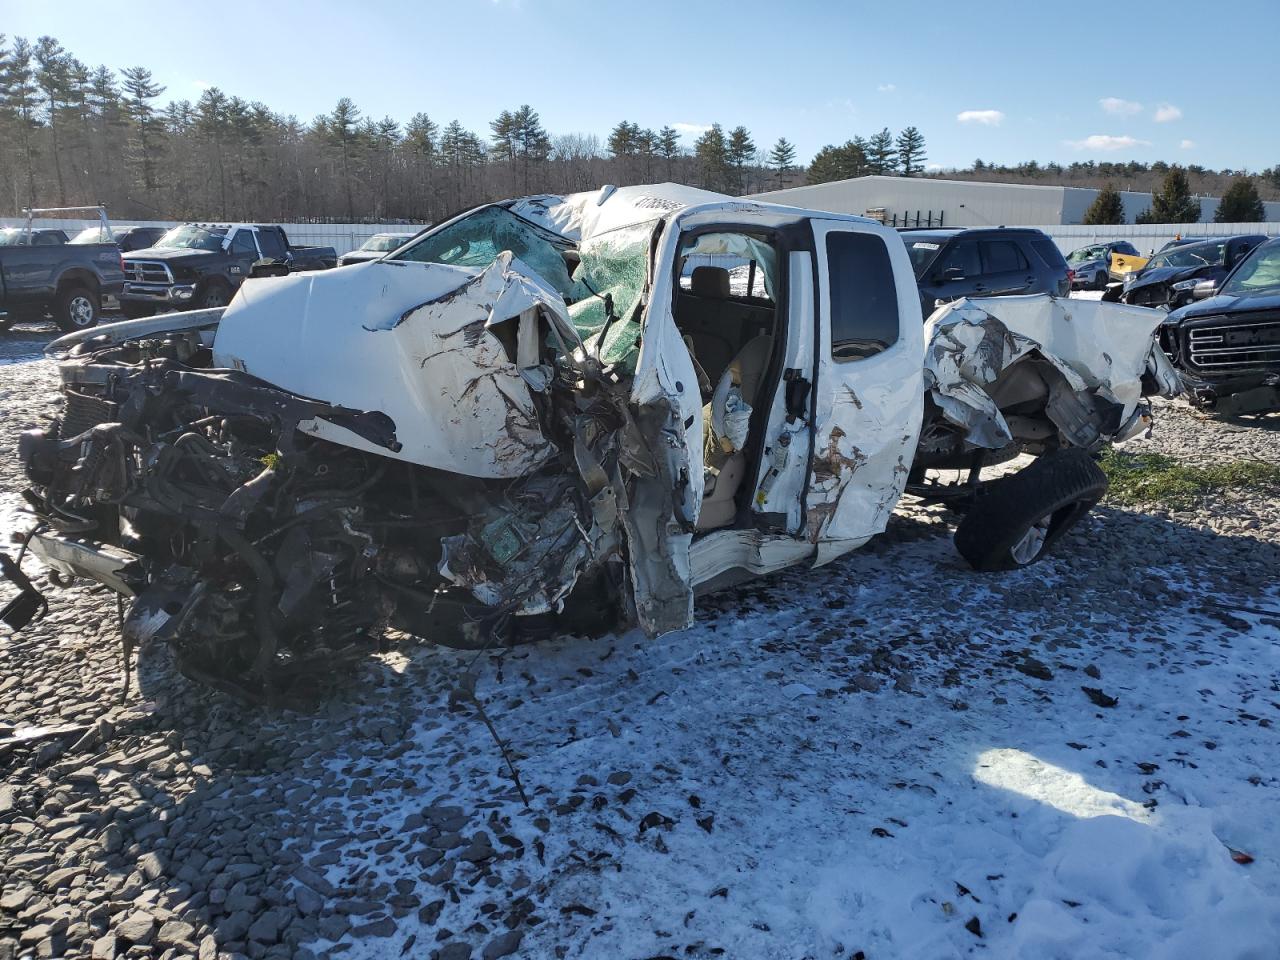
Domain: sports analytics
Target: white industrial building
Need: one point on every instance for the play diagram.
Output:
(925, 201)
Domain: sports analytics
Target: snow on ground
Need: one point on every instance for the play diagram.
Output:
(890, 756)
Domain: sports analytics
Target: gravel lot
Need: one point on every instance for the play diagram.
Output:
(681, 790)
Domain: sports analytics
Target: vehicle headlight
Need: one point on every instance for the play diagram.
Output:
(1185, 285)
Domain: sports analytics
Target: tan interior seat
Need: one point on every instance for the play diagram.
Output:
(725, 467)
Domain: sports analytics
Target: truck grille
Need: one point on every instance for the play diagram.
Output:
(147, 271)
(1243, 345)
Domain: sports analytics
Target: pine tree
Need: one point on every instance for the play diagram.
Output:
(623, 139)
(781, 159)
(531, 141)
(51, 76)
(1106, 209)
(342, 127)
(141, 90)
(911, 155)
(739, 153)
(668, 147)
(712, 153)
(504, 135)
(881, 156)
(838, 163)
(1241, 203)
(1174, 203)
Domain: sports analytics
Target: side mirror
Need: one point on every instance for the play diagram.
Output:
(1204, 290)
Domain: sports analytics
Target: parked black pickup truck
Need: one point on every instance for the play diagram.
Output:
(1227, 348)
(198, 265)
(62, 280)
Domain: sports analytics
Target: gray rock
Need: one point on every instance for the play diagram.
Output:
(175, 931)
(137, 927)
(266, 929)
(385, 927)
(502, 946)
(308, 901)
(455, 951)
(104, 948)
(234, 926)
(151, 866)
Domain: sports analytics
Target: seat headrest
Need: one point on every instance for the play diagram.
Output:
(709, 282)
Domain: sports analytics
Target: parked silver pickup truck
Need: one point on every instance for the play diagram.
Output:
(571, 412)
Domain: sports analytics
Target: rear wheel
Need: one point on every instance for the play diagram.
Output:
(75, 308)
(1100, 281)
(1016, 520)
(214, 293)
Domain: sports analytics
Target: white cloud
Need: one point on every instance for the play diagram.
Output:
(933, 166)
(1167, 112)
(1103, 141)
(1187, 145)
(887, 87)
(201, 84)
(692, 129)
(1119, 107)
(990, 118)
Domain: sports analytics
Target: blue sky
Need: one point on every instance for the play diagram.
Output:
(1004, 81)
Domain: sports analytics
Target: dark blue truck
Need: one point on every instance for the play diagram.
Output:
(63, 281)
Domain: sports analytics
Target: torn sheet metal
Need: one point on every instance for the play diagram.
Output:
(411, 340)
(1099, 350)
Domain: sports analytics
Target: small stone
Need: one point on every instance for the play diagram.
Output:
(174, 932)
(455, 951)
(502, 946)
(617, 778)
(112, 838)
(308, 901)
(137, 927)
(151, 866)
(266, 929)
(866, 683)
(104, 948)
(386, 927)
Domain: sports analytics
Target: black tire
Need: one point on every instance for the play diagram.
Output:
(5, 324)
(1100, 280)
(1016, 520)
(76, 307)
(212, 293)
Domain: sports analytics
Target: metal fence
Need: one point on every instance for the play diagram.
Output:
(1151, 236)
(343, 237)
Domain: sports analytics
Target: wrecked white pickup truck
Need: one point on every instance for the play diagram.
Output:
(567, 412)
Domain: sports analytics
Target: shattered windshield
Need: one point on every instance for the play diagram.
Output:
(191, 237)
(1085, 254)
(476, 240)
(1198, 255)
(607, 290)
(1260, 273)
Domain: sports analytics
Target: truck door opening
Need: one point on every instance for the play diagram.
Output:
(726, 310)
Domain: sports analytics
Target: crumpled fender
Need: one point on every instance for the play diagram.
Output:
(1100, 350)
(413, 341)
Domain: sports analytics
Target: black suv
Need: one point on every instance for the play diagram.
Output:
(984, 262)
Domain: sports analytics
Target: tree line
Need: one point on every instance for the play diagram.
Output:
(74, 134)
(1174, 203)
